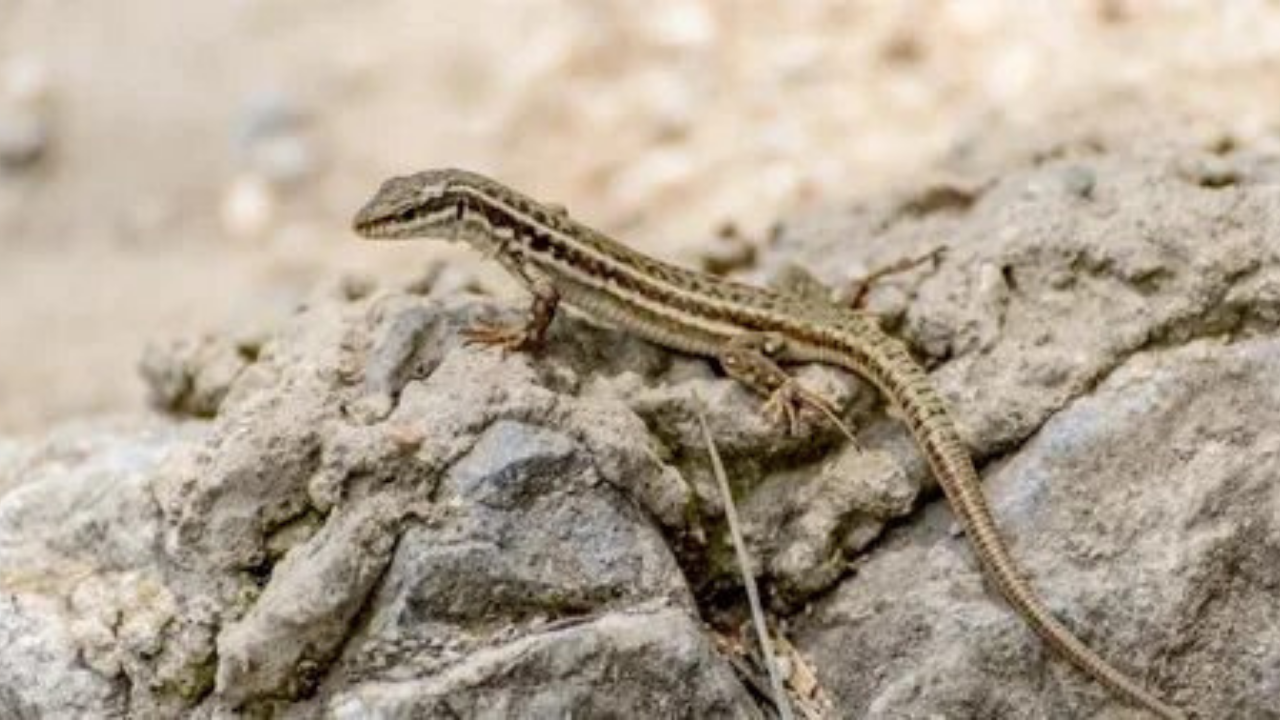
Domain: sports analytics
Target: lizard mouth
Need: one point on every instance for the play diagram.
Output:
(379, 225)
(373, 230)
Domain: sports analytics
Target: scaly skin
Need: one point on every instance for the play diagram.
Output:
(749, 330)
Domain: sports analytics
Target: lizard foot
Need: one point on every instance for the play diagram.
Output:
(788, 402)
(507, 337)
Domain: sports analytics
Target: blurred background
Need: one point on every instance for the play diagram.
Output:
(168, 169)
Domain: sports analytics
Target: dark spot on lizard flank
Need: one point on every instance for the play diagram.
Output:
(538, 242)
(558, 251)
(492, 216)
(459, 210)
(603, 270)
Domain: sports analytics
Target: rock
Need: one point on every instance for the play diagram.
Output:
(291, 551)
(655, 664)
(1120, 507)
(267, 113)
(83, 603)
(41, 672)
(192, 377)
(1040, 295)
(271, 138)
(284, 160)
(369, 518)
(25, 114)
(24, 138)
(342, 546)
(1049, 310)
(248, 207)
(26, 82)
(301, 619)
(728, 251)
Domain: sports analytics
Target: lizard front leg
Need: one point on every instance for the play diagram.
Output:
(520, 336)
(746, 358)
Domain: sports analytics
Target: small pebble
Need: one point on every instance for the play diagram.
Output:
(423, 281)
(248, 208)
(25, 82)
(729, 251)
(1210, 172)
(270, 138)
(24, 138)
(1079, 181)
(681, 24)
(405, 437)
(356, 286)
(267, 114)
(284, 160)
(371, 408)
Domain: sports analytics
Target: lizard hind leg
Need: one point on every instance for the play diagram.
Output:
(860, 288)
(746, 358)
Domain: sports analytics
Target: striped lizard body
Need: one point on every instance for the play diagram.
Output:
(751, 331)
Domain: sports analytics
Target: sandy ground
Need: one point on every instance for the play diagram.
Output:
(167, 169)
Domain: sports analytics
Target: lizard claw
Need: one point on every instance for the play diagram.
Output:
(508, 338)
(782, 406)
(789, 400)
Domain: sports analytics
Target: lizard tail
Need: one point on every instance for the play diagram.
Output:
(908, 388)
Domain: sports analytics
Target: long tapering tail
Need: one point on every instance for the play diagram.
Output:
(909, 389)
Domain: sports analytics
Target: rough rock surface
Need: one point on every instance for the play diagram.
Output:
(375, 521)
(1105, 323)
(1147, 513)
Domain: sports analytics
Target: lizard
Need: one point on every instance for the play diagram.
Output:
(752, 332)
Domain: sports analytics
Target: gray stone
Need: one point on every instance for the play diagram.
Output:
(285, 160)
(653, 664)
(267, 113)
(271, 138)
(84, 607)
(371, 519)
(1040, 296)
(1147, 515)
(192, 377)
(301, 619)
(24, 137)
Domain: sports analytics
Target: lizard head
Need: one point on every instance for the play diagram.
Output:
(425, 204)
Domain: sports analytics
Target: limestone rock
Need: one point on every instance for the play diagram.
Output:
(367, 518)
